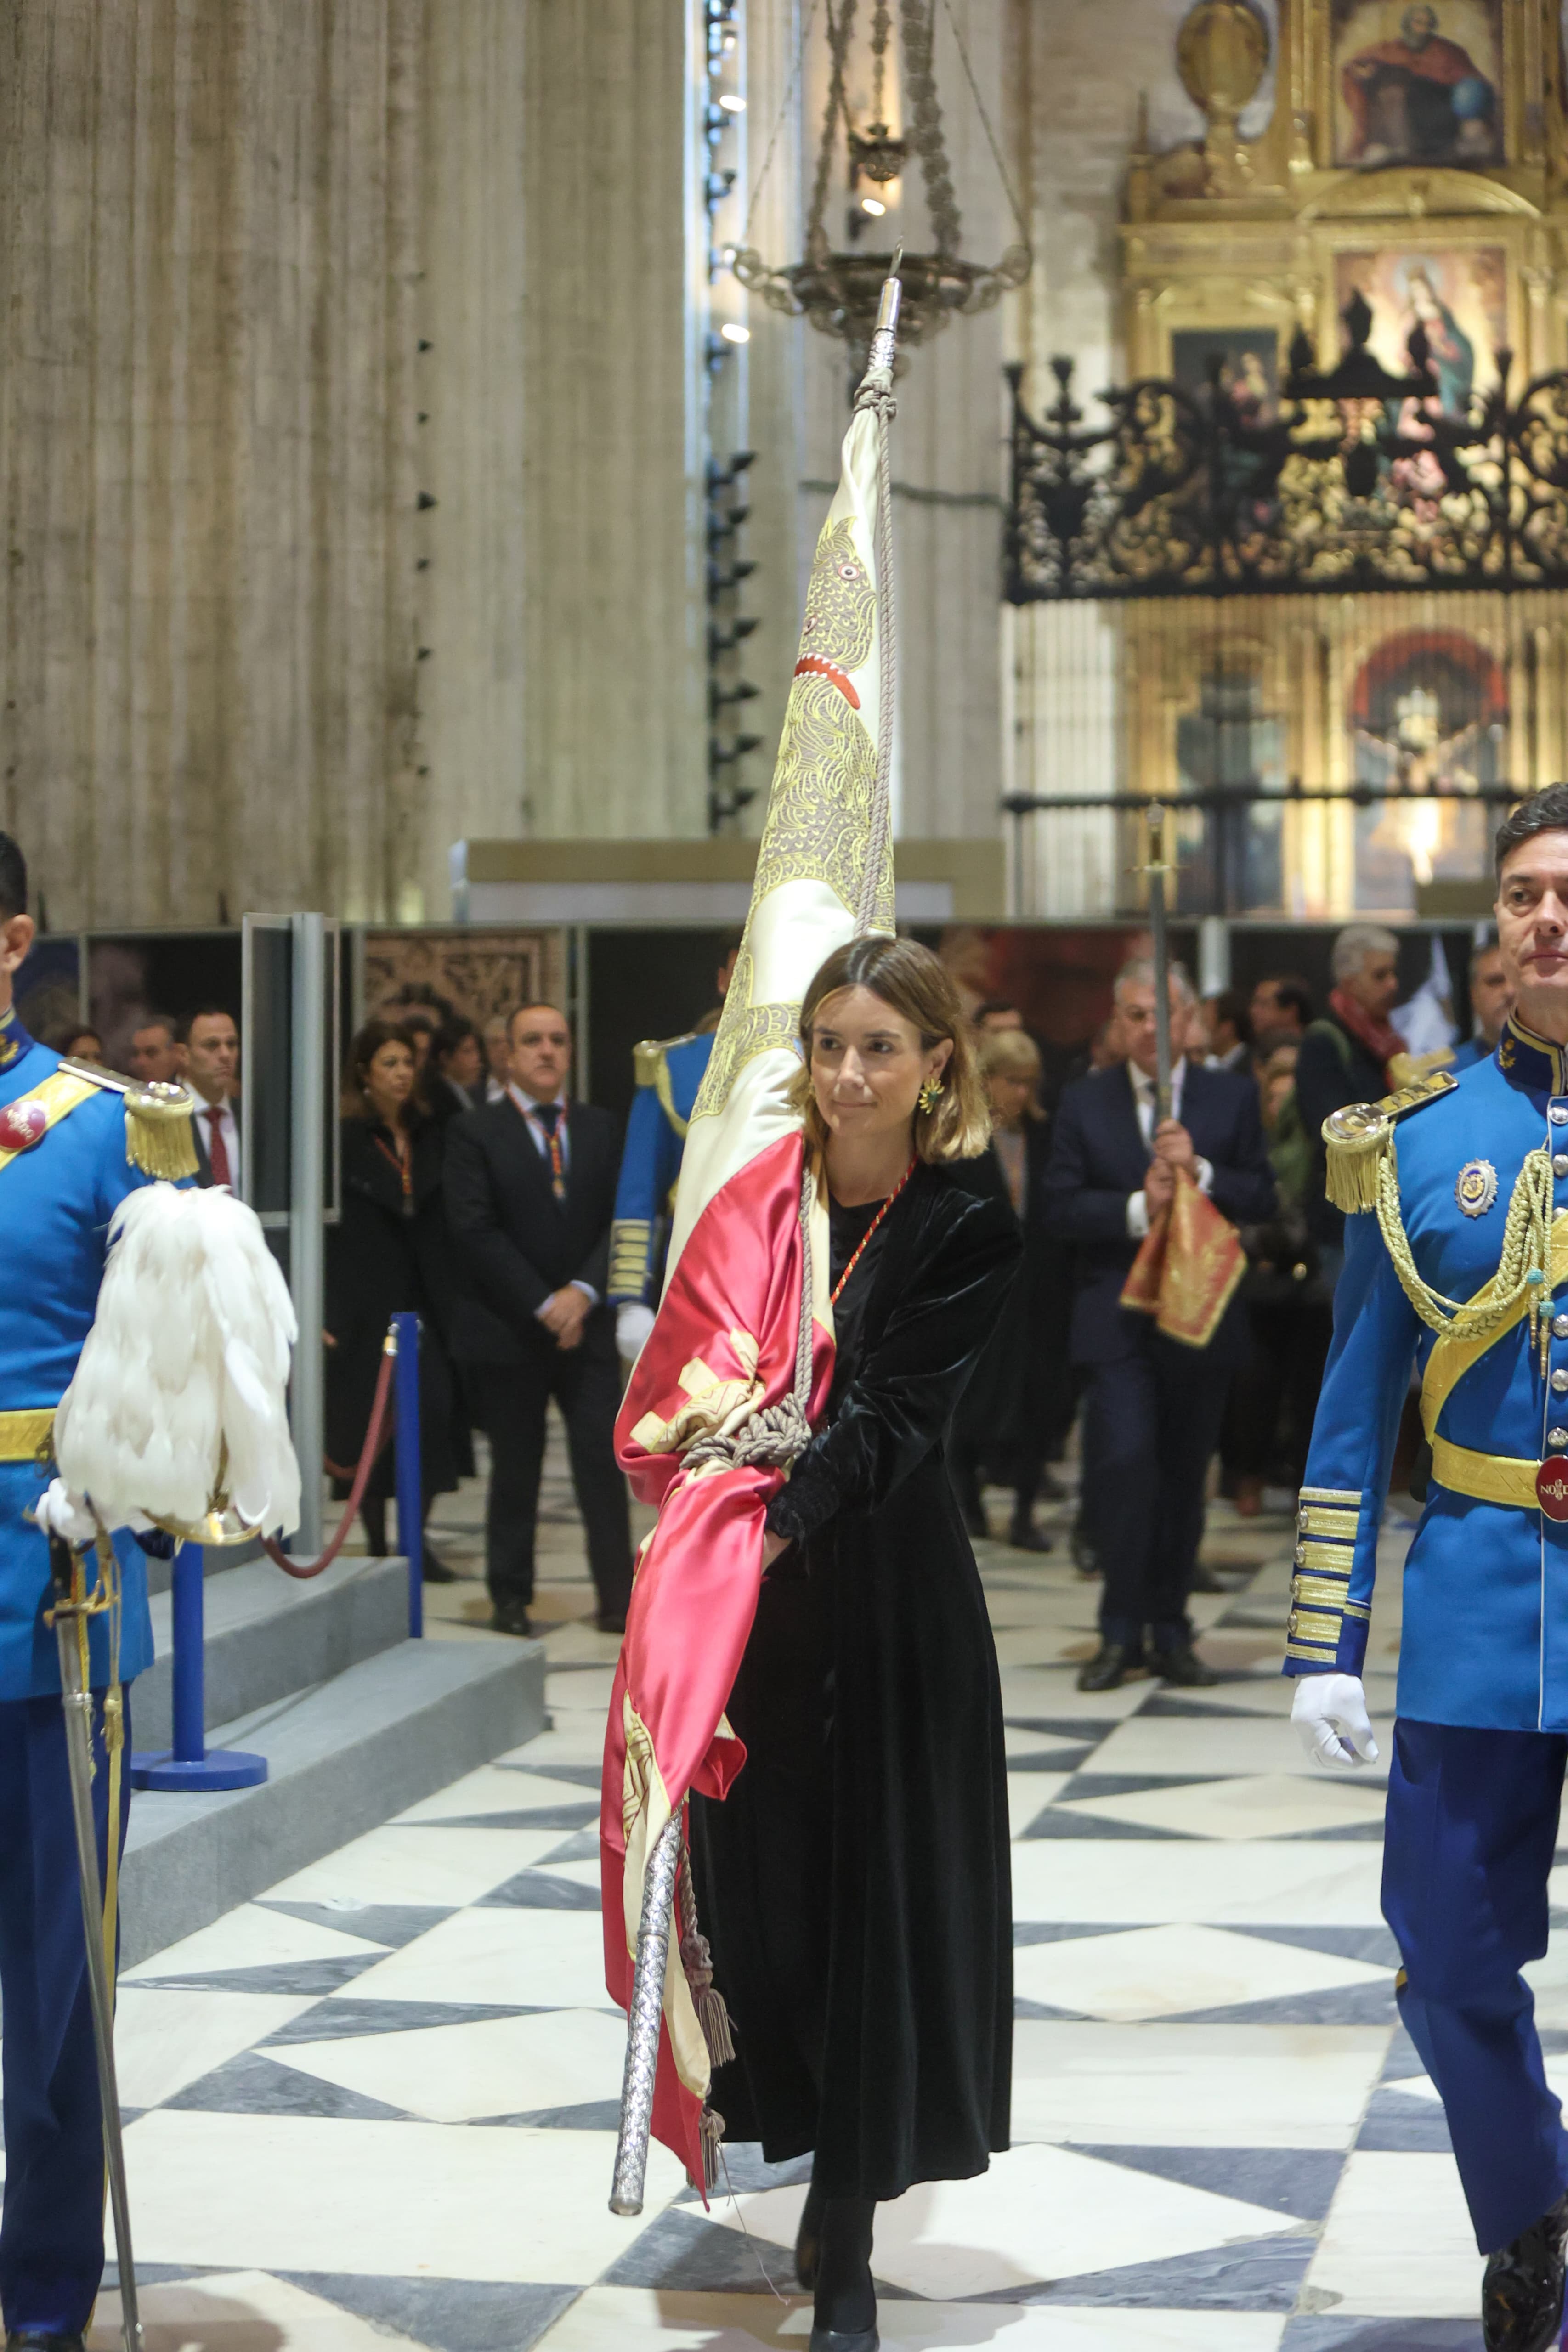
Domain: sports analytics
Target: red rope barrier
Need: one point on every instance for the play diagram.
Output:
(368, 1452)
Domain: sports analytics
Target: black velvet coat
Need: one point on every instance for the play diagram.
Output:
(856, 1883)
(380, 1260)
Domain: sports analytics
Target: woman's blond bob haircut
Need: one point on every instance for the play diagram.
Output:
(913, 982)
(1012, 1054)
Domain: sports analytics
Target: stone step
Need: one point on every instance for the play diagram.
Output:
(269, 1635)
(345, 1757)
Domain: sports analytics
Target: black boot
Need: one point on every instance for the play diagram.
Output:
(808, 2239)
(1022, 1535)
(1522, 2291)
(844, 2311)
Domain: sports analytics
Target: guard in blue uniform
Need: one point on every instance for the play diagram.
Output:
(1457, 1262)
(67, 1137)
(669, 1072)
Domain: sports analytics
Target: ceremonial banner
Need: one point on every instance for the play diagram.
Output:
(729, 1336)
(1188, 1268)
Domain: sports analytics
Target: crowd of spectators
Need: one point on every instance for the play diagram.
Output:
(1085, 1164)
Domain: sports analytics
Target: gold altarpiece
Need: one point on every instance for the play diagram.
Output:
(1416, 156)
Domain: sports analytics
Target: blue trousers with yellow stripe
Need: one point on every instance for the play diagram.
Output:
(1470, 1834)
(51, 2228)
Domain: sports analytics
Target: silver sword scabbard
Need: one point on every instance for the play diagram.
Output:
(77, 1701)
(642, 2020)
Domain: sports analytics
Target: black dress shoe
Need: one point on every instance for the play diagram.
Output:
(1521, 2291)
(841, 2339)
(1022, 1535)
(1204, 1579)
(1050, 1490)
(608, 1623)
(1085, 1558)
(512, 1617)
(1111, 1666)
(433, 1569)
(1183, 1667)
(35, 2339)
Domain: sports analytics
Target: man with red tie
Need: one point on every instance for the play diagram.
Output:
(208, 1045)
(530, 1192)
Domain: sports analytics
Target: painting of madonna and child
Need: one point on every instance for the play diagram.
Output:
(1417, 83)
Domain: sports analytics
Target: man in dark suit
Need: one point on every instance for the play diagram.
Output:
(1343, 1058)
(207, 1045)
(1153, 1407)
(531, 1191)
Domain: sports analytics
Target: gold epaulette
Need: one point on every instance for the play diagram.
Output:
(1359, 1136)
(158, 1134)
(1405, 1068)
(648, 1059)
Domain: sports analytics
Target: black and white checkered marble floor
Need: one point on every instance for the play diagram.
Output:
(382, 2098)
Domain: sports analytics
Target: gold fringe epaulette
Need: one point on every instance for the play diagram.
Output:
(648, 1059)
(159, 1138)
(1360, 1136)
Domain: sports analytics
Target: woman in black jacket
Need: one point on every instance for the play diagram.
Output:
(387, 1254)
(1019, 1402)
(854, 1883)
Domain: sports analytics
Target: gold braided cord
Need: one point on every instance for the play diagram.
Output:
(1523, 1267)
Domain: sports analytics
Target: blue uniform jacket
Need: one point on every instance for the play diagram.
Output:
(56, 1201)
(668, 1077)
(1485, 1638)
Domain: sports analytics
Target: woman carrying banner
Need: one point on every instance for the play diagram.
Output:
(855, 1882)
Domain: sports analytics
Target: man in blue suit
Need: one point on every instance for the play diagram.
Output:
(1456, 1261)
(66, 1134)
(1153, 1407)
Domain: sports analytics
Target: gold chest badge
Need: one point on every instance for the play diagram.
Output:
(1475, 1187)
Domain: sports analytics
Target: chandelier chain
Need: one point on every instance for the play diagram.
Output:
(838, 32)
(881, 26)
(990, 140)
(785, 104)
(918, 28)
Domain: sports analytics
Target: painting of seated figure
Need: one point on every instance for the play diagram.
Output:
(1417, 83)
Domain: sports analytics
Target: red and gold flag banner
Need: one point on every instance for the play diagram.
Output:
(1186, 1273)
(726, 1342)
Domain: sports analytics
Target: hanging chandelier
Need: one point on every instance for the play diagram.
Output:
(839, 289)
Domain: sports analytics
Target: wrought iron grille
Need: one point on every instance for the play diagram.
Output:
(1354, 479)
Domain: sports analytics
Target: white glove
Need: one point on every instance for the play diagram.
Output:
(1330, 1714)
(634, 1321)
(61, 1512)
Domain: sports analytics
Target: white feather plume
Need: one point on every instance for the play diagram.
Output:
(189, 1352)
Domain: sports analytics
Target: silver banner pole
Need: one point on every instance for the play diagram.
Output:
(643, 2021)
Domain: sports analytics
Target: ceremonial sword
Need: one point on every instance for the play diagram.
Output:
(69, 1614)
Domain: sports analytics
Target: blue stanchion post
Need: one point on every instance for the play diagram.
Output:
(191, 1763)
(409, 1472)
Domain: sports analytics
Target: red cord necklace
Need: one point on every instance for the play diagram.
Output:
(859, 1253)
(402, 1160)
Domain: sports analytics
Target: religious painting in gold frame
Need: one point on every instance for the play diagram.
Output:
(1418, 82)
